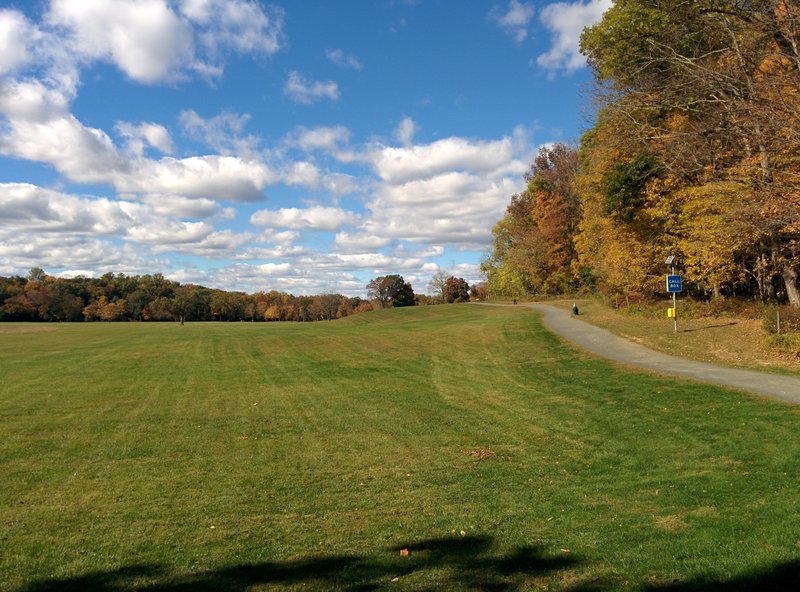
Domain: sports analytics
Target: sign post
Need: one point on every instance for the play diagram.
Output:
(674, 286)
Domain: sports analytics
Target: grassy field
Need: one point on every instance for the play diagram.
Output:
(449, 447)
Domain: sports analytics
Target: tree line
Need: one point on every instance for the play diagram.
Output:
(120, 297)
(695, 153)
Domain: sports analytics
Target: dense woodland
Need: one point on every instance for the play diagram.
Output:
(120, 297)
(695, 153)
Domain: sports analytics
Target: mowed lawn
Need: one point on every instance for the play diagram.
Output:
(451, 447)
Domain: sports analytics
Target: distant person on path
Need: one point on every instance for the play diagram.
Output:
(575, 309)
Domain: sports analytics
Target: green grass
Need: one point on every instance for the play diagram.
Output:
(307, 456)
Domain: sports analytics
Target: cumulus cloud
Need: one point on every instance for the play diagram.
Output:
(79, 254)
(360, 242)
(26, 207)
(449, 208)
(213, 245)
(312, 218)
(144, 39)
(17, 34)
(40, 128)
(211, 177)
(338, 57)
(301, 90)
(399, 165)
(566, 21)
(301, 173)
(179, 206)
(81, 153)
(151, 42)
(224, 132)
(143, 135)
(514, 19)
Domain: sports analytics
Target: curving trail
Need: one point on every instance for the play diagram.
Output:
(605, 344)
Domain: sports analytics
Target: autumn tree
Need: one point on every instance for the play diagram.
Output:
(391, 291)
(104, 310)
(533, 245)
(325, 307)
(456, 290)
(708, 92)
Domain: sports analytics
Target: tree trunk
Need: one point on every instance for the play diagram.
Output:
(790, 277)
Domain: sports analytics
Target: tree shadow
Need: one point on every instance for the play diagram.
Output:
(782, 577)
(717, 326)
(468, 563)
(463, 563)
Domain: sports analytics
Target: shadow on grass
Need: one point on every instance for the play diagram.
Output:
(783, 576)
(463, 563)
(710, 327)
(466, 563)
(778, 578)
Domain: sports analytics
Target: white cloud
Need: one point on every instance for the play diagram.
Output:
(51, 251)
(211, 177)
(224, 132)
(338, 57)
(313, 218)
(322, 138)
(566, 21)
(284, 277)
(16, 36)
(81, 153)
(305, 91)
(359, 242)
(405, 131)
(301, 173)
(514, 20)
(145, 39)
(143, 135)
(451, 208)
(40, 128)
(284, 238)
(340, 183)
(242, 25)
(32, 100)
(25, 207)
(183, 207)
(215, 245)
(399, 165)
(148, 39)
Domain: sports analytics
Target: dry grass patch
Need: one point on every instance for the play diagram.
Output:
(731, 341)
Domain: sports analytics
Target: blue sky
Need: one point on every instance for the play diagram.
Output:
(303, 146)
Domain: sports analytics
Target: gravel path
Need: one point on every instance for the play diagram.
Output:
(607, 345)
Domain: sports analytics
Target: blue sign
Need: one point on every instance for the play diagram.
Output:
(674, 283)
